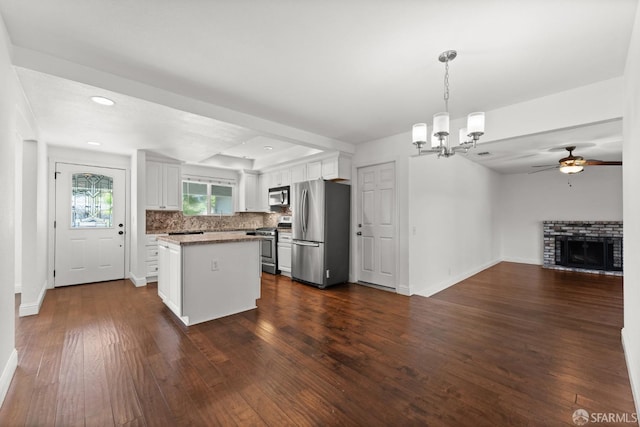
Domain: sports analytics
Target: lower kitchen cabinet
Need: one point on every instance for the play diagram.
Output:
(151, 256)
(203, 281)
(284, 253)
(170, 276)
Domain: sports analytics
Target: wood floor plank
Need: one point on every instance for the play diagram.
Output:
(513, 345)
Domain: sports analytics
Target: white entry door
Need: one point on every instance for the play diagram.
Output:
(377, 224)
(89, 227)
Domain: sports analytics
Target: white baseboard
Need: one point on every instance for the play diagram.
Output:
(33, 308)
(7, 374)
(18, 288)
(633, 370)
(441, 286)
(137, 281)
(522, 260)
(404, 290)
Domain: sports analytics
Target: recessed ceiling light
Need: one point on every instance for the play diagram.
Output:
(268, 147)
(93, 143)
(102, 100)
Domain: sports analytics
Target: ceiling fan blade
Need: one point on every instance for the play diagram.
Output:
(547, 168)
(544, 166)
(602, 163)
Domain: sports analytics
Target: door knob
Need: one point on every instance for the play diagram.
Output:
(120, 232)
(359, 233)
(120, 225)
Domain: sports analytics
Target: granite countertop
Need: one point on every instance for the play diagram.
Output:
(204, 239)
(166, 231)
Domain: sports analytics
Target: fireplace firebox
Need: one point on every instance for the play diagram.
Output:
(589, 253)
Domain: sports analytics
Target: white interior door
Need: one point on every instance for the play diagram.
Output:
(377, 224)
(90, 224)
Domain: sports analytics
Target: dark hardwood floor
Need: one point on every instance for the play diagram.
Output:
(513, 345)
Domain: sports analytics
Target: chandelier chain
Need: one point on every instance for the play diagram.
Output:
(446, 86)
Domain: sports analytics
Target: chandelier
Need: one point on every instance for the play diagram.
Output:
(439, 139)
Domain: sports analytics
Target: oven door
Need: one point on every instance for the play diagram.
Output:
(268, 250)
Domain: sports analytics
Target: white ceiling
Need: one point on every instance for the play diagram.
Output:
(349, 71)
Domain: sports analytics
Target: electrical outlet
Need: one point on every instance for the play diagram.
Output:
(214, 265)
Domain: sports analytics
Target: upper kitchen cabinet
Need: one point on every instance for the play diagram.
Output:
(249, 194)
(333, 166)
(314, 170)
(264, 183)
(163, 185)
(298, 173)
(337, 167)
(279, 178)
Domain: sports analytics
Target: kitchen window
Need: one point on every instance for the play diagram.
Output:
(206, 198)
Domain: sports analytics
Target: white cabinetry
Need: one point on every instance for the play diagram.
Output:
(201, 282)
(314, 170)
(163, 186)
(170, 276)
(249, 192)
(338, 167)
(298, 173)
(334, 166)
(279, 178)
(263, 192)
(284, 253)
(151, 256)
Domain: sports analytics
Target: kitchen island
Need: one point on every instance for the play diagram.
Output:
(203, 277)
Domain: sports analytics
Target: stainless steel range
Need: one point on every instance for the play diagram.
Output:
(268, 250)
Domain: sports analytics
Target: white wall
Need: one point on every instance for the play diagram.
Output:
(138, 225)
(9, 90)
(528, 199)
(18, 214)
(452, 206)
(631, 211)
(31, 286)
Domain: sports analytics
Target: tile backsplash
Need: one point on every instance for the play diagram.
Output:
(173, 221)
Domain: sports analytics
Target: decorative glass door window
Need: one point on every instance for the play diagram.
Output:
(91, 201)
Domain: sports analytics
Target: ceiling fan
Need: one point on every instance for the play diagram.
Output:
(575, 164)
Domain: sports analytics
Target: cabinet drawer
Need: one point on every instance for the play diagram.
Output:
(152, 253)
(152, 268)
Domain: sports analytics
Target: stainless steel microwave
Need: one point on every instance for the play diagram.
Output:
(279, 197)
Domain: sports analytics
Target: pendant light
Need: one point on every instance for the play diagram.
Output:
(468, 137)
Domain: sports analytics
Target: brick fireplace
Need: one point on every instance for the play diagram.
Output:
(587, 246)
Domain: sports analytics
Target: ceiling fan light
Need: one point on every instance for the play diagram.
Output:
(419, 133)
(441, 124)
(571, 169)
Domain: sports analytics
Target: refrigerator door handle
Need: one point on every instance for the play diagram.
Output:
(305, 211)
(303, 243)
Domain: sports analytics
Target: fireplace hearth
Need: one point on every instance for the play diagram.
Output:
(590, 246)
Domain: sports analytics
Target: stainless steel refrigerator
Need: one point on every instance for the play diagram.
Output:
(320, 232)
